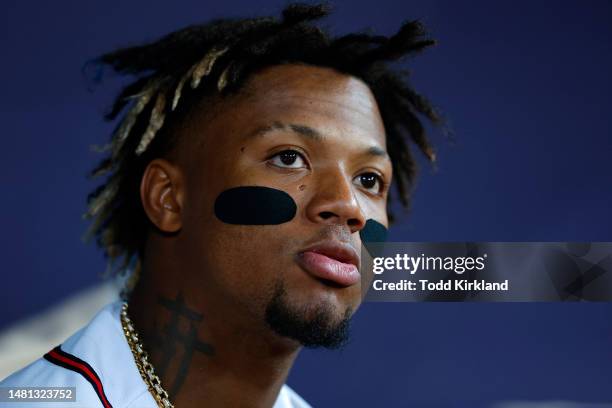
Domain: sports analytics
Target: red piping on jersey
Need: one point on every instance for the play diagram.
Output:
(59, 357)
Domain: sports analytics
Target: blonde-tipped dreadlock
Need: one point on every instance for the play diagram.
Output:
(155, 123)
(129, 120)
(217, 58)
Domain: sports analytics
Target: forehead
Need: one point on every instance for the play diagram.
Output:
(305, 93)
(318, 83)
(336, 105)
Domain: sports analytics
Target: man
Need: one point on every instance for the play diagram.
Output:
(254, 159)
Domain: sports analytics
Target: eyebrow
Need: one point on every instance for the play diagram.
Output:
(309, 133)
(301, 130)
(377, 151)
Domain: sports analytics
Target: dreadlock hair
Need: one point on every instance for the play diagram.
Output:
(216, 58)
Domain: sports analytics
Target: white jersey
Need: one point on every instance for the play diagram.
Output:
(98, 362)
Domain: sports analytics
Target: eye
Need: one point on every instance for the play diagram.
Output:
(288, 159)
(372, 182)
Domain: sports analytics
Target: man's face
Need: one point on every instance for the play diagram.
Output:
(313, 138)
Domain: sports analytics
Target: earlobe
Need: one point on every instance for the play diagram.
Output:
(160, 193)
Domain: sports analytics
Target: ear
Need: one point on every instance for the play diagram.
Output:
(161, 193)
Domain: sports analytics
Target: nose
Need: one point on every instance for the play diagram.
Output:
(334, 202)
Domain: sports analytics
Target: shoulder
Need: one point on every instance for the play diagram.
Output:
(96, 360)
(43, 373)
(287, 398)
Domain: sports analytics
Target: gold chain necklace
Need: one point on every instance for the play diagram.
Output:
(147, 372)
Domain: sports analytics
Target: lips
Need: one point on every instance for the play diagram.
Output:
(331, 261)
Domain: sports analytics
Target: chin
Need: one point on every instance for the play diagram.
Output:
(321, 321)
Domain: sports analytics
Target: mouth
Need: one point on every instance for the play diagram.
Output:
(332, 262)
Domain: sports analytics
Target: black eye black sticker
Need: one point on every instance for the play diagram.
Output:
(255, 205)
(373, 232)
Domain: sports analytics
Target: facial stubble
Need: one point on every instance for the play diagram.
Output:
(313, 326)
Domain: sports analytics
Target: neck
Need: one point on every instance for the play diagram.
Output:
(205, 351)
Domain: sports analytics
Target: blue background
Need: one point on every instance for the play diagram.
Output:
(527, 89)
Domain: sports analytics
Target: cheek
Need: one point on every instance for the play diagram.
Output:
(241, 263)
(249, 254)
(254, 205)
(245, 253)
